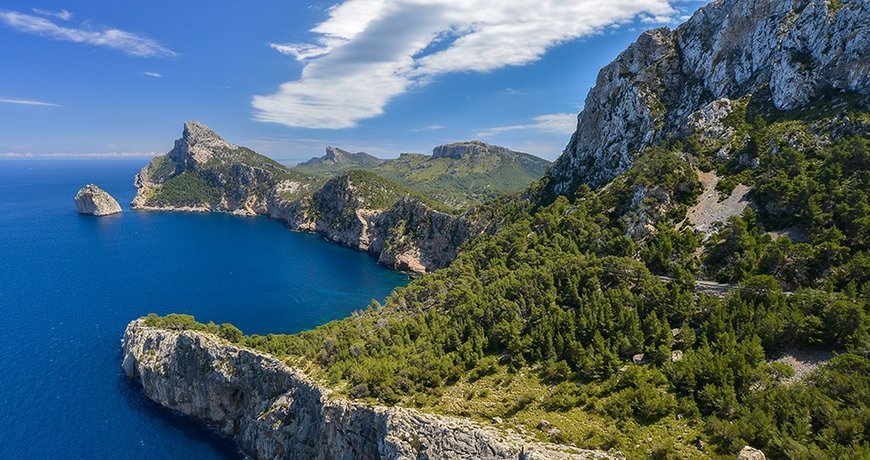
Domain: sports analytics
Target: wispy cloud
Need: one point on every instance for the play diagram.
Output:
(63, 15)
(429, 128)
(370, 51)
(28, 102)
(127, 42)
(557, 123)
(153, 74)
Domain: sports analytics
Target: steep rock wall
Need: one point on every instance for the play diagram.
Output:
(274, 411)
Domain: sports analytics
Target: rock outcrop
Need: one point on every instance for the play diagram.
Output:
(785, 51)
(357, 209)
(274, 411)
(342, 158)
(95, 201)
(751, 453)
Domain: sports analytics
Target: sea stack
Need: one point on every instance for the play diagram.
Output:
(95, 201)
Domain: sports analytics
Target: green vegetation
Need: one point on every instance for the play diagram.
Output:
(380, 193)
(558, 316)
(541, 320)
(185, 189)
(180, 322)
(457, 182)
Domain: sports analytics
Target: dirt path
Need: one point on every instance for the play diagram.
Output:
(709, 211)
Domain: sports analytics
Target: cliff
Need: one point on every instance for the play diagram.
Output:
(274, 411)
(783, 53)
(358, 209)
(95, 201)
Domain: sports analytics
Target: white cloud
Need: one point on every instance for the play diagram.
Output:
(556, 123)
(370, 51)
(63, 15)
(429, 128)
(153, 74)
(28, 102)
(128, 42)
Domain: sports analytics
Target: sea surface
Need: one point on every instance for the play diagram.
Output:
(69, 284)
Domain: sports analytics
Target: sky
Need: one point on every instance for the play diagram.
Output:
(114, 79)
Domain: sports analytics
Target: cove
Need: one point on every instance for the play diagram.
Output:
(69, 284)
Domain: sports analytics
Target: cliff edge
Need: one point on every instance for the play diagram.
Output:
(275, 411)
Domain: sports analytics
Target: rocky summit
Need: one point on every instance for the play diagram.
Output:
(95, 201)
(786, 52)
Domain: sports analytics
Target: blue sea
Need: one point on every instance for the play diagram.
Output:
(69, 284)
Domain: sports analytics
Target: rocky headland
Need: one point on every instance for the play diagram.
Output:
(358, 209)
(275, 411)
(95, 201)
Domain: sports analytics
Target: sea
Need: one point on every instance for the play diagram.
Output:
(70, 283)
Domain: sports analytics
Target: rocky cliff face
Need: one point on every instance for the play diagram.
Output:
(360, 210)
(786, 51)
(95, 201)
(274, 411)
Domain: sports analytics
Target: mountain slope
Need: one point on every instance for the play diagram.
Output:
(460, 175)
(337, 159)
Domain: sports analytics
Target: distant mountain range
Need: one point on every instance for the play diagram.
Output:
(459, 175)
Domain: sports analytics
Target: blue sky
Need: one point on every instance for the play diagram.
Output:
(288, 78)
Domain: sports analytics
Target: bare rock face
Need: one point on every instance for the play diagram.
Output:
(95, 201)
(751, 453)
(274, 411)
(789, 51)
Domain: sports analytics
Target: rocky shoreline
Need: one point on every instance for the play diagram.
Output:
(275, 411)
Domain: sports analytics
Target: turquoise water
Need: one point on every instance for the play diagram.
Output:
(69, 284)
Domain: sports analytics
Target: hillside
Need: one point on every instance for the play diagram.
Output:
(578, 318)
(460, 175)
(337, 160)
(401, 227)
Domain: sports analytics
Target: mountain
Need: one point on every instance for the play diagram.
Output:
(460, 175)
(465, 173)
(689, 279)
(784, 53)
(337, 159)
(402, 228)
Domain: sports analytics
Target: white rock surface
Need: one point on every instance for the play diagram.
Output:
(789, 49)
(95, 201)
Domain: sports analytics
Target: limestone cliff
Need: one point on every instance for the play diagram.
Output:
(356, 209)
(95, 201)
(274, 411)
(788, 52)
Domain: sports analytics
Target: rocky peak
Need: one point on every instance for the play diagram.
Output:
(339, 157)
(197, 145)
(788, 51)
(195, 131)
(458, 150)
(336, 155)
